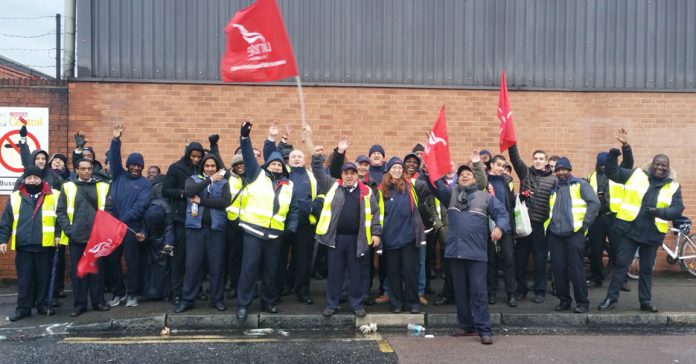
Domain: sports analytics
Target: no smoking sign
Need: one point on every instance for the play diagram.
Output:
(10, 157)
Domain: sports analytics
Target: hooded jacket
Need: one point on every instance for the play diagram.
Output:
(98, 171)
(30, 227)
(301, 183)
(538, 182)
(643, 228)
(175, 181)
(48, 175)
(215, 197)
(130, 195)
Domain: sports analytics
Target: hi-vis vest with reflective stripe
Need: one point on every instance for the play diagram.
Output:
(70, 190)
(414, 198)
(234, 209)
(48, 218)
(579, 207)
(616, 192)
(634, 191)
(325, 217)
(313, 190)
(257, 206)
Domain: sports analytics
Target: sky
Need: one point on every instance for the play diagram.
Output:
(35, 52)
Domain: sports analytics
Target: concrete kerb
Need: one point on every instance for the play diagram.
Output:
(210, 322)
(544, 320)
(597, 321)
(306, 322)
(681, 319)
(449, 320)
(142, 324)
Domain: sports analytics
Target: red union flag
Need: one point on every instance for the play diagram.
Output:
(107, 234)
(436, 155)
(258, 49)
(508, 137)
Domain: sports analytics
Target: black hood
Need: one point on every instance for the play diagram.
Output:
(158, 179)
(218, 163)
(32, 160)
(276, 156)
(190, 148)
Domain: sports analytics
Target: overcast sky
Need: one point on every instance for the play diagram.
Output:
(39, 52)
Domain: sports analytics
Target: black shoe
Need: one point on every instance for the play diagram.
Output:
(360, 313)
(396, 310)
(78, 312)
(241, 314)
(625, 287)
(562, 307)
(491, 299)
(306, 300)
(328, 312)
(18, 315)
(443, 301)
(220, 306)
(102, 307)
(538, 299)
(487, 340)
(512, 300)
(648, 307)
(182, 307)
(593, 284)
(606, 305)
(45, 311)
(415, 310)
(270, 309)
(581, 309)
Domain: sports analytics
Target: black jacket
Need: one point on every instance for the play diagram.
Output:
(30, 227)
(539, 183)
(83, 218)
(175, 182)
(98, 171)
(29, 159)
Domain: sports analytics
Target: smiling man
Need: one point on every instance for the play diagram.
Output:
(131, 194)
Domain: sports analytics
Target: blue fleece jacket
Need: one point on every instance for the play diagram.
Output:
(130, 195)
(399, 225)
(301, 185)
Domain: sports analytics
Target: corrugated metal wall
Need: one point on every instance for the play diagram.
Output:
(553, 44)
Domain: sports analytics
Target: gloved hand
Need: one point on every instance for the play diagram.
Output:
(653, 211)
(615, 151)
(23, 131)
(80, 140)
(246, 129)
(213, 139)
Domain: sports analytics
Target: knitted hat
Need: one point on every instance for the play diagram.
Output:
(393, 161)
(61, 157)
(418, 148)
(32, 171)
(483, 151)
(135, 158)
(377, 148)
(237, 159)
(601, 159)
(563, 162)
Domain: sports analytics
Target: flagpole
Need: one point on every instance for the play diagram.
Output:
(299, 91)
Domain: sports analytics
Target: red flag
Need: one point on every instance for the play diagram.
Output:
(508, 137)
(258, 48)
(107, 234)
(436, 155)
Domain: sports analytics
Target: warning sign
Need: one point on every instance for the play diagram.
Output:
(11, 120)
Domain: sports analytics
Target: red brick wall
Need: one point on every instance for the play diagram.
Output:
(28, 93)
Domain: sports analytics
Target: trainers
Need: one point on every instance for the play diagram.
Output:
(382, 299)
(116, 301)
(132, 301)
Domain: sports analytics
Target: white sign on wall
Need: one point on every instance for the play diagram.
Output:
(11, 120)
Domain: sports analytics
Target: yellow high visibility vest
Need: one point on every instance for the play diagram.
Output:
(313, 187)
(234, 209)
(70, 191)
(257, 205)
(325, 217)
(48, 218)
(579, 207)
(616, 192)
(634, 191)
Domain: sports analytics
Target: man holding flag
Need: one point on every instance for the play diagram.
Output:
(77, 207)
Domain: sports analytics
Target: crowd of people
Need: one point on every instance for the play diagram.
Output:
(281, 215)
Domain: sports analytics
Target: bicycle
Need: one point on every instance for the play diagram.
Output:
(684, 250)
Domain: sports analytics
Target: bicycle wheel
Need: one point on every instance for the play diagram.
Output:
(687, 248)
(634, 268)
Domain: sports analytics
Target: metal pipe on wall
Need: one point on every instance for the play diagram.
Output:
(69, 39)
(57, 46)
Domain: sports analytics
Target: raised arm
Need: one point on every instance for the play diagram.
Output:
(517, 163)
(115, 152)
(612, 169)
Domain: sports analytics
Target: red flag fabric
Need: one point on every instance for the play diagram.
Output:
(436, 154)
(258, 48)
(107, 234)
(508, 137)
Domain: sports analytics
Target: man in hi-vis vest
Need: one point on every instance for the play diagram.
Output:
(29, 224)
(651, 197)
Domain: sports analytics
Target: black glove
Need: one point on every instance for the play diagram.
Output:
(23, 131)
(213, 139)
(246, 129)
(615, 151)
(653, 211)
(80, 140)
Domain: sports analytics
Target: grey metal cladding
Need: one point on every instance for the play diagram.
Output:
(546, 44)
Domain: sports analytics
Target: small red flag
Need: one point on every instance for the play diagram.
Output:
(436, 155)
(107, 234)
(508, 137)
(258, 48)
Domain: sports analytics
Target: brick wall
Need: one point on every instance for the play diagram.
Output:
(36, 93)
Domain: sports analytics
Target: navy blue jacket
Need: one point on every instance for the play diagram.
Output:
(301, 185)
(30, 227)
(561, 223)
(130, 195)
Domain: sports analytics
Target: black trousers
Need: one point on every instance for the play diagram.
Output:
(567, 261)
(402, 273)
(470, 295)
(204, 245)
(59, 284)
(431, 241)
(131, 249)
(537, 243)
(625, 251)
(447, 286)
(233, 252)
(156, 272)
(505, 260)
(256, 249)
(343, 258)
(300, 268)
(602, 229)
(179, 259)
(92, 284)
(33, 279)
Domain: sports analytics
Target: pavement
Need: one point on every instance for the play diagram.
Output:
(673, 293)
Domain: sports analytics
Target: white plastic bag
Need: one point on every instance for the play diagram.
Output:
(523, 227)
